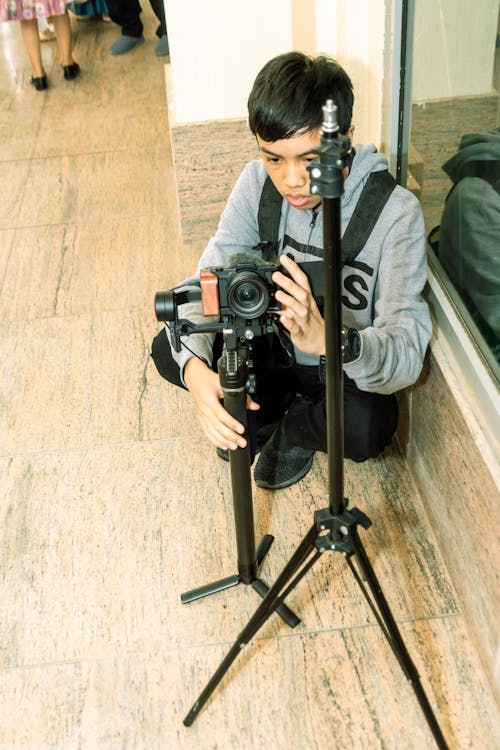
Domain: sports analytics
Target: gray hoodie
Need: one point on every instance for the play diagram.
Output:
(381, 288)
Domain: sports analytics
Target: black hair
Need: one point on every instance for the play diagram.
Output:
(289, 92)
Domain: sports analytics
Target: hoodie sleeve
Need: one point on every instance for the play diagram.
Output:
(394, 346)
(237, 232)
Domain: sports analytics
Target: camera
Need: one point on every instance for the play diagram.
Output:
(245, 291)
(241, 297)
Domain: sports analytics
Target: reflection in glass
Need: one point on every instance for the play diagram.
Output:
(455, 158)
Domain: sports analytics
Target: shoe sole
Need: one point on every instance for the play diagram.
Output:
(287, 482)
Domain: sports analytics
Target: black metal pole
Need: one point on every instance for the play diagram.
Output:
(233, 373)
(334, 373)
(327, 180)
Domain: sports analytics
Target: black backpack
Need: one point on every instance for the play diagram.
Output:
(372, 200)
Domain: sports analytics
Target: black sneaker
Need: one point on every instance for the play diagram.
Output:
(281, 463)
(222, 453)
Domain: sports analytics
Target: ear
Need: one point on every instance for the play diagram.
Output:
(350, 132)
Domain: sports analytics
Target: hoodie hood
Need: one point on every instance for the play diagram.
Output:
(478, 155)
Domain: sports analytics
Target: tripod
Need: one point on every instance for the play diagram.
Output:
(233, 375)
(334, 528)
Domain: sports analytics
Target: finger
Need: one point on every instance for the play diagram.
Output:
(291, 288)
(222, 437)
(220, 427)
(291, 303)
(252, 405)
(291, 324)
(295, 271)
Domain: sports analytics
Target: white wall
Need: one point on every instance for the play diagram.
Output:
(454, 48)
(216, 49)
(352, 31)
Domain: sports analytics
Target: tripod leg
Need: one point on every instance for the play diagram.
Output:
(390, 629)
(274, 598)
(282, 610)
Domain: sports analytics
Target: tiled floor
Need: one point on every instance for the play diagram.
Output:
(112, 502)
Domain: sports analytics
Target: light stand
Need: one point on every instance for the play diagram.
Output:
(334, 528)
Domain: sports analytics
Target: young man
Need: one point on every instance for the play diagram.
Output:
(381, 291)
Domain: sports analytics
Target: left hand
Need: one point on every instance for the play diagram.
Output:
(300, 314)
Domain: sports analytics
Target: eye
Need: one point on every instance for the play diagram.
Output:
(273, 159)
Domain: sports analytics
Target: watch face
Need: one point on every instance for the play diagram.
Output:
(354, 342)
(351, 344)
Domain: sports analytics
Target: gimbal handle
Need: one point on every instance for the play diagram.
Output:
(233, 374)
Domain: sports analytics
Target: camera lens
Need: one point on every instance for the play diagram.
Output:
(165, 306)
(247, 294)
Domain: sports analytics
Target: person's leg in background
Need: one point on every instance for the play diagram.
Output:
(31, 41)
(64, 36)
(162, 47)
(126, 14)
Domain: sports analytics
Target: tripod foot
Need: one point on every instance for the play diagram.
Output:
(286, 614)
(210, 588)
(263, 548)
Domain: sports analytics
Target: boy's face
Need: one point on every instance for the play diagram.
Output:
(286, 162)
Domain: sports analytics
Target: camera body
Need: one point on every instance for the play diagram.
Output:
(241, 297)
(245, 291)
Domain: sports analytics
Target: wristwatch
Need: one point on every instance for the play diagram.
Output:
(351, 344)
(351, 349)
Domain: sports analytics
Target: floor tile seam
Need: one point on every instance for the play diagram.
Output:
(123, 311)
(100, 153)
(98, 446)
(139, 149)
(370, 625)
(95, 220)
(367, 626)
(181, 648)
(29, 156)
(7, 260)
(108, 216)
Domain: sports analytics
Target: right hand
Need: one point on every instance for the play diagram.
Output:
(223, 430)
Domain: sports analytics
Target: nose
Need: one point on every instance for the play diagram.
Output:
(296, 175)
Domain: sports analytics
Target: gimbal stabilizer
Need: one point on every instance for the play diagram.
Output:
(235, 379)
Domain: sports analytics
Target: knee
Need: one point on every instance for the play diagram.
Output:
(161, 354)
(368, 437)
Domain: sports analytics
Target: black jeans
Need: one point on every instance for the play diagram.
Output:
(126, 13)
(370, 419)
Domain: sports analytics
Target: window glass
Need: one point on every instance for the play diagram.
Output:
(454, 157)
